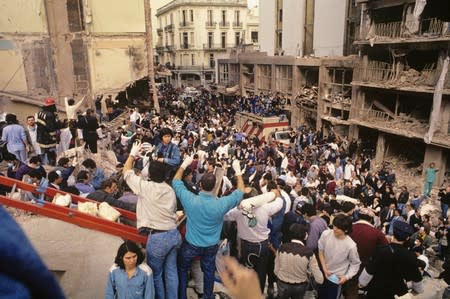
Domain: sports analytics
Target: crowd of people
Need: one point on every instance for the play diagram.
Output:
(314, 215)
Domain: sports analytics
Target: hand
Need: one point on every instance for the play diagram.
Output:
(186, 162)
(136, 148)
(237, 167)
(241, 282)
(342, 279)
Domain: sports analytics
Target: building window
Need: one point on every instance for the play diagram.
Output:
(185, 43)
(237, 38)
(192, 59)
(224, 16)
(223, 40)
(283, 78)
(210, 39)
(265, 76)
(211, 61)
(280, 15)
(183, 17)
(192, 15)
(237, 17)
(210, 17)
(223, 73)
(254, 35)
(280, 40)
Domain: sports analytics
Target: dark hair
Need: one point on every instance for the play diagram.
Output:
(366, 218)
(89, 163)
(298, 231)
(30, 116)
(52, 176)
(267, 176)
(343, 222)
(208, 181)
(35, 159)
(35, 173)
(82, 175)
(10, 157)
(108, 183)
(128, 246)
(305, 191)
(11, 118)
(165, 131)
(271, 185)
(156, 171)
(63, 161)
(347, 206)
(308, 210)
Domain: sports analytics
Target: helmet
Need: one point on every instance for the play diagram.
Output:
(49, 102)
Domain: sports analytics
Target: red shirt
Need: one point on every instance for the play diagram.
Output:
(367, 238)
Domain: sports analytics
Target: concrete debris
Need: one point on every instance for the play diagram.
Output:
(338, 97)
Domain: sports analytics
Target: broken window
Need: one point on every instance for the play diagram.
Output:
(265, 76)
(75, 15)
(283, 78)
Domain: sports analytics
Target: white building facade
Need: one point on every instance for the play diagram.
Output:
(193, 34)
(303, 27)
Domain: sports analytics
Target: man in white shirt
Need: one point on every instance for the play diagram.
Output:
(255, 239)
(31, 130)
(348, 170)
(72, 107)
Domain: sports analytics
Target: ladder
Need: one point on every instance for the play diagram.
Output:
(69, 215)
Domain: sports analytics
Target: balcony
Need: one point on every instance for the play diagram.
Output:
(409, 30)
(211, 25)
(169, 28)
(186, 46)
(159, 48)
(170, 48)
(237, 25)
(385, 75)
(159, 31)
(186, 24)
(224, 25)
(216, 47)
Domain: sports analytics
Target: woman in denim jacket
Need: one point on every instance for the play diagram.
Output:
(129, 278)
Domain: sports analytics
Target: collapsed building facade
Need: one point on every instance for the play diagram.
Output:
(394, 96)
(62, 48)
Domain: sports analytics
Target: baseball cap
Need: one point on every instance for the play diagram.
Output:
(49, 102)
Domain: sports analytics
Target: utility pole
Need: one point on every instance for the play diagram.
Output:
(149, 46)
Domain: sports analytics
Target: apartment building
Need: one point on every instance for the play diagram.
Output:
(61, 48)
(401, 84)
(307, 27)
(192, 34)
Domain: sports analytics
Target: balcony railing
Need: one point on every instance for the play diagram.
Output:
(169, 28)
(186, 24)
(186, 46)
(216, 47)
(224, 24)
(170, 48)
(159, 31)
(386, 73)
(237, 24)
(210, 25)
(431, 27)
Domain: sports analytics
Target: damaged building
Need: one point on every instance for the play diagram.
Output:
(394, 96)
(71, 47)
(401, 83)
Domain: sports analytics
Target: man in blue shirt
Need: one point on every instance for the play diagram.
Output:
(168, 153)
(205, 214)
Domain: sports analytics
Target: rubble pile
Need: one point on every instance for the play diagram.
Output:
(338, 98)
(308, 97)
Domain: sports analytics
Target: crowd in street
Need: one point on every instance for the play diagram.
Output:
(316, 215)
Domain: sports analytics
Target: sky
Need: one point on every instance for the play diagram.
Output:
(252, 3)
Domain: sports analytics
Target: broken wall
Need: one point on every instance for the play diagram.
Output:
(12, 76)
(25, 16)
(114, 16)
(116, 62)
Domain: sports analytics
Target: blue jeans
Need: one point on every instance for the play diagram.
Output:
(256, 257)
(444, 208)
(329, 290)
(291, 291)
(162, 258)
(207, 261)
